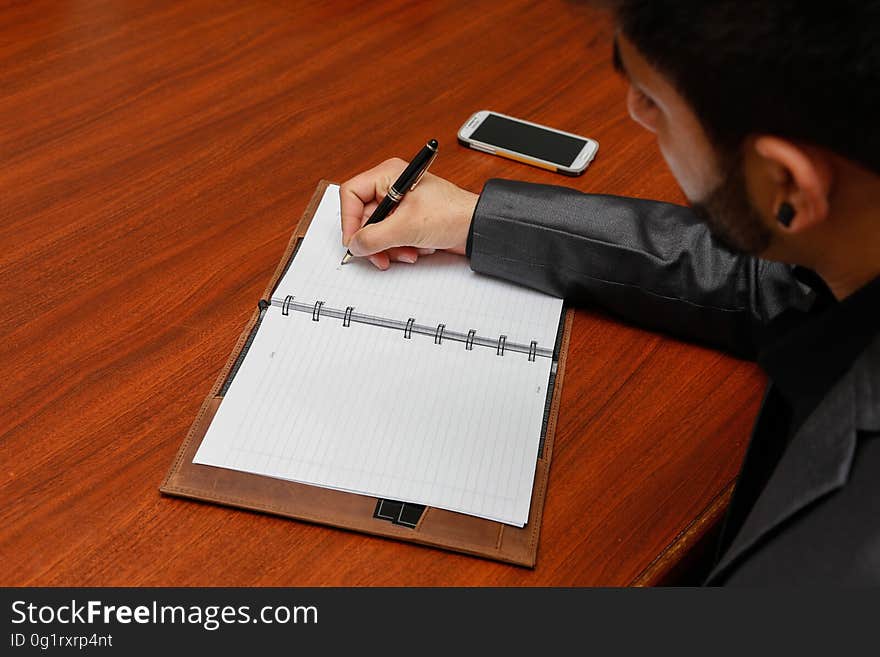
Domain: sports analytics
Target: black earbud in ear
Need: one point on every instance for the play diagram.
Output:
(785, 214)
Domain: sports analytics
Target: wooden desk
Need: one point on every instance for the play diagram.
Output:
(155, 158)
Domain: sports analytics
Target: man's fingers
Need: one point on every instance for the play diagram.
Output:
(369, 239)
(369, 209)
(350, 228)
(406, 254)
(380, 260)
(436, 216)
(392, 232)
(354, 195)
(383, 259)
(361, 191)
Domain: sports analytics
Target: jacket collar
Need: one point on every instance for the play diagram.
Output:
(804, 354)
(819, 457)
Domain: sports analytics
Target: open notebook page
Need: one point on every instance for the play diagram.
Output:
(440, 288)
(362, 409)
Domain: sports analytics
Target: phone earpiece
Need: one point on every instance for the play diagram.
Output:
(785, 214)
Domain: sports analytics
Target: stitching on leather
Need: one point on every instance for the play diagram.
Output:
(218, 383)
(550, 436)
(248, 505)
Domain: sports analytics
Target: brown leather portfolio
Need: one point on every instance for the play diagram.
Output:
(394, 519)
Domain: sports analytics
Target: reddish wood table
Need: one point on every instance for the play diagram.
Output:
(155, 158)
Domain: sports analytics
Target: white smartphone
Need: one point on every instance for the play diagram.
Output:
(527, 142)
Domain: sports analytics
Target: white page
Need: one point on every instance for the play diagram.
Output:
(440, 288)
(362, 409)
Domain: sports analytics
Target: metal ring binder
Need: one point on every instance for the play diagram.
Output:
(441, 332)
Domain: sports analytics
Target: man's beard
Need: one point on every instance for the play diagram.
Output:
(731, 217)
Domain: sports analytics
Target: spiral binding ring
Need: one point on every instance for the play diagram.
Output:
(346, 320)
(502, 341)
(407, 332)
(285, 308)
(316, 311)
(469, 345)
(533, 350)
(438, 334)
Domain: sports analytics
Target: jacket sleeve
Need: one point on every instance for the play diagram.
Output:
(649, 262)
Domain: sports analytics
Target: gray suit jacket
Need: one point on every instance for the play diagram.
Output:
(657, 265)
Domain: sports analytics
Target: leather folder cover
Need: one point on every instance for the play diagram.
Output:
(436, 527)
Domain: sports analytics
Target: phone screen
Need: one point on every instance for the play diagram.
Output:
(528, 140)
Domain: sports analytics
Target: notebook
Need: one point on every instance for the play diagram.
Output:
(423, 387)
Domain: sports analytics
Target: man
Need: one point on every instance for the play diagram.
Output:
(764, 110)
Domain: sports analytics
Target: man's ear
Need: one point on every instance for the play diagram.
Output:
(802, 178)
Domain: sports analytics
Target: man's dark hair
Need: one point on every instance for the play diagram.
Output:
(807, 71)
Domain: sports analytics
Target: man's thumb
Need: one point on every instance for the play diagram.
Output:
(375, 238)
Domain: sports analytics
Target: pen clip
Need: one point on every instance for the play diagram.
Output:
(423, 171)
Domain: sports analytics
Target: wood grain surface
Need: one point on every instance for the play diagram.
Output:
(155, 158)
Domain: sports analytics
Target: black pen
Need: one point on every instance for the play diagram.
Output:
(406, 182)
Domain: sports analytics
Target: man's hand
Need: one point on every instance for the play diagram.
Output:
(435, 215)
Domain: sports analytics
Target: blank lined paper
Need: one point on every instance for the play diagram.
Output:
(362, 409)
(440, 288)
